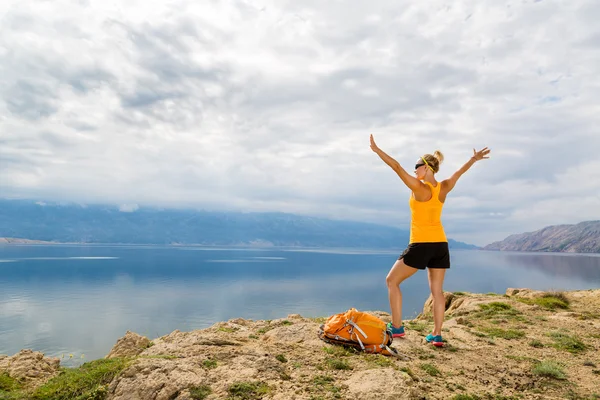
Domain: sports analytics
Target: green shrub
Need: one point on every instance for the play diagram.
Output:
(563, 341)
(338, 363)
(8, 384)
(549, 369)
(431, 369)
(209, 364)
(248, 390)
(504, 333)
(281, 358)
(88, 382)
(200, 392)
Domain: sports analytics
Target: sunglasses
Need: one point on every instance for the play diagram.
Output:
(417, 166)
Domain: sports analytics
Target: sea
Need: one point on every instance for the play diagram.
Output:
(75, 301)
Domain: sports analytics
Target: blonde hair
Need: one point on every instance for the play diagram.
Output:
(434, 160)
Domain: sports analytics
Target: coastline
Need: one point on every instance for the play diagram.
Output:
(525, 344)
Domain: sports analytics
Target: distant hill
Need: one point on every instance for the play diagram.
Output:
(73, 223)
(580, 238)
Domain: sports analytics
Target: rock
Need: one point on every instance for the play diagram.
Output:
(129, 345)
(156, 379)
(384, 316)
(379, 384)
(301, 332)
(30, 367)
(448, 296)
(524, 293)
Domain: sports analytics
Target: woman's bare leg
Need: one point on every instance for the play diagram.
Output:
(436, 283)
(395, 277)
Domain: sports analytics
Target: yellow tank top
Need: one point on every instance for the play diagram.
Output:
(426, 218)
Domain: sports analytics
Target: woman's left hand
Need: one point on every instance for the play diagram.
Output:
(373, 145)
(481, 154)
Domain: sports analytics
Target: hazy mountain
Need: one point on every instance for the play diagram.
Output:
(107, 224)
(580, 238)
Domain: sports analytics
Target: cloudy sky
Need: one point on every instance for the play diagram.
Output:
(268, 105)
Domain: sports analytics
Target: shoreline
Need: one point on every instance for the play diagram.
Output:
(524, 344)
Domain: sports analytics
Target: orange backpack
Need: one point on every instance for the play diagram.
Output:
(358, 330)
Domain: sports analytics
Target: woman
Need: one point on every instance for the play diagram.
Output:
(428, 246)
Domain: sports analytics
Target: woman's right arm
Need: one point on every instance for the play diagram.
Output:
(413, 183)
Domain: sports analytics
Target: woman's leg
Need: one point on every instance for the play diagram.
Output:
(436, 282)
(395, 277)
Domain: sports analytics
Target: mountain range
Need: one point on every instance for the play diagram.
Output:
(583, 237)
(73, 223)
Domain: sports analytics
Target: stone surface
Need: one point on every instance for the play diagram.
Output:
(30, 367)
(129, 345)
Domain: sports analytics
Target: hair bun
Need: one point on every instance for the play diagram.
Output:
(438, 154)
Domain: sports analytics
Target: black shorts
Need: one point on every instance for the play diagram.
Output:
(430, 255)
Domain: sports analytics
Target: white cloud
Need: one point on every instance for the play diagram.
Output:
(268, 106)
(128, 208)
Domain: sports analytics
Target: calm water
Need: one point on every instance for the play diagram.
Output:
(80, 299)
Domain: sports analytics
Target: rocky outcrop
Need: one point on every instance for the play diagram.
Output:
(30, 367)
(580, 238)
(129, 345)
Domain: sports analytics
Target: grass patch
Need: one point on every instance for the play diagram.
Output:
(585, 315)
(549, 301)
(431, 369)
(338, 363)
(496, 306)
(286, 322)
(521, 358)
(417, 326)
(8, 384)
(504, 333)
(499, 310)
(408, 371)
(200, 392)
(265, 329)
(459, 293)
(161, 356)
(89, 381)
(209, 364)
(536, 343)
(563, 341)
(324, 383)
(252, 337)
(340, 351)
(281, 358)
(422, 354)
(550, 369)
(378, 360)
(247, 390)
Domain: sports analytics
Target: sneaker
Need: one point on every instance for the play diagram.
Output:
(435, 340)
(396, 332)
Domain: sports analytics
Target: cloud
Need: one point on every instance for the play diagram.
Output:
(247, 106)
(128, 208)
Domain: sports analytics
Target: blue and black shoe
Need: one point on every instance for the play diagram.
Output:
(396, 332)
(436, 340)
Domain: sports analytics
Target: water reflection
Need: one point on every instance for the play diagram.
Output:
(80, 300)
